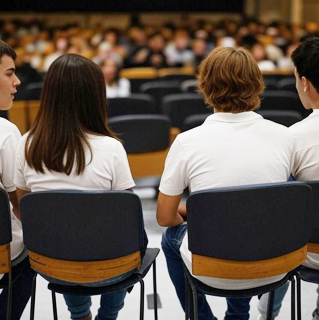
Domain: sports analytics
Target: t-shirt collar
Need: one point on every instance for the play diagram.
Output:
(234, 117)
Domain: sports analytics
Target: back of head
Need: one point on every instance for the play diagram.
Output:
(73, 103)
(6, 50)
(230, 80)
(306, 60)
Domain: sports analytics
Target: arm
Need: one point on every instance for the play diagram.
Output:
(182, 211)
(166, 213)
(15, 203)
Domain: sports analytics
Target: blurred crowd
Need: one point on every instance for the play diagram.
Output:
(38, 45)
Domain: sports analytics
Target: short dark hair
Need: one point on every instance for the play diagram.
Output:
(6, 50)
(306, 60)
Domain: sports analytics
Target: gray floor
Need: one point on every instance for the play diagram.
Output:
(170, 309)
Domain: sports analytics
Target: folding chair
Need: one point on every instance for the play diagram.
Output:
(84, 237)
(247, 232)
(5, 255)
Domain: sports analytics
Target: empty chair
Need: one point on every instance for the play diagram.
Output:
(84, 237)
(159, 89)
(138, 76)
(179, 74)
(189, 86)
(146, 139)
(193, 121)
(288, 84)
(246, 233)
(271, 84)
(281, 100)
(5, 256)
(33, 91)
(179, 106)
(134, 104)
(284, 117)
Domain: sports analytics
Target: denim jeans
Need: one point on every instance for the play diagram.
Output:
(22, 276)
(171, 241)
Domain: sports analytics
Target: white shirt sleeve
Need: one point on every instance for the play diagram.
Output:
(122, 177)
(19, 178)
(8, 152)
(175, 178)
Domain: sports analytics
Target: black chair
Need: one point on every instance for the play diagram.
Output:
(159, 89)
(179, 106)
(5, 255)
(177, 77)
(134, 104)
(193, 121)
(87, 236)
(247, 232)
(288, 84)
(146, 139)
(189, 86)
(281, 100)
(304, 273)
(284, 117)
(271, 84)
(33, 91)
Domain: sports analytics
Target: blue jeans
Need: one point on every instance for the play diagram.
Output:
(237, 308)
(22, 276)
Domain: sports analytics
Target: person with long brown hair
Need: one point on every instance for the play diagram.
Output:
(234, 146)
(70, 146)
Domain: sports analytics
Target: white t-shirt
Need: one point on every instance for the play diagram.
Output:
(306, 160)
(228, 150)
(108, 169)
(9, 139)
(121, 89)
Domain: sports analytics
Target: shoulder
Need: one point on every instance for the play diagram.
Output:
(8, 129)
(106, 142)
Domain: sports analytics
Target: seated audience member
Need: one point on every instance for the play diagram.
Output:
(9, 138)
(152, 55)
(259, 53)
(178, 52)
(200, 50)
(203, 158)
(306, 132)
(115, 86)
(79, 153)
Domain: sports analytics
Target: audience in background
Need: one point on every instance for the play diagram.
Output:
(115, 86)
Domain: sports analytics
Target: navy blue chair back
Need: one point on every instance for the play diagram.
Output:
(249, 223)
(5, 218)
(33, 91)
(82, 225)
(285, 117)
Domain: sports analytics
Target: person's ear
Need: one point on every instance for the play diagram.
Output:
(305, 83)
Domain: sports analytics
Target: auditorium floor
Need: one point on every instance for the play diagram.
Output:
(170, 308)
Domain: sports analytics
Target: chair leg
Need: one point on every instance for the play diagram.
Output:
(9, 303)
(142, 299)
(187, 302)
(155, 290)
(194, 315)
(293, 299)
(55, 313)
(270, 305)
(298, 296)
(33, 292)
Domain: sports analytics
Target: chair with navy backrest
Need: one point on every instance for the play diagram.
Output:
(87, 236)
(247, 232)
(285, 117)
(5, 239)
(134, 104)
(304, 273)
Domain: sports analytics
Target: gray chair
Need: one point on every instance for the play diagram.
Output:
(134, 104)
(5, 239)
(179, 106)
(146, 139)
(87, 236)
(247, 232)
(284, 117)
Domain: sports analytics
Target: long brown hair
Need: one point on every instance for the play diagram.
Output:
(230, 80)
(73, 103)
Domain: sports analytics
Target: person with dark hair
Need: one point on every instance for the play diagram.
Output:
(234, 146)
(9, 139)
(306, 132)
(70, 146)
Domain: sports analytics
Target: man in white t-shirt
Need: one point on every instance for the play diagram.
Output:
(9, 138)
(235, 146)
(306, 132)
